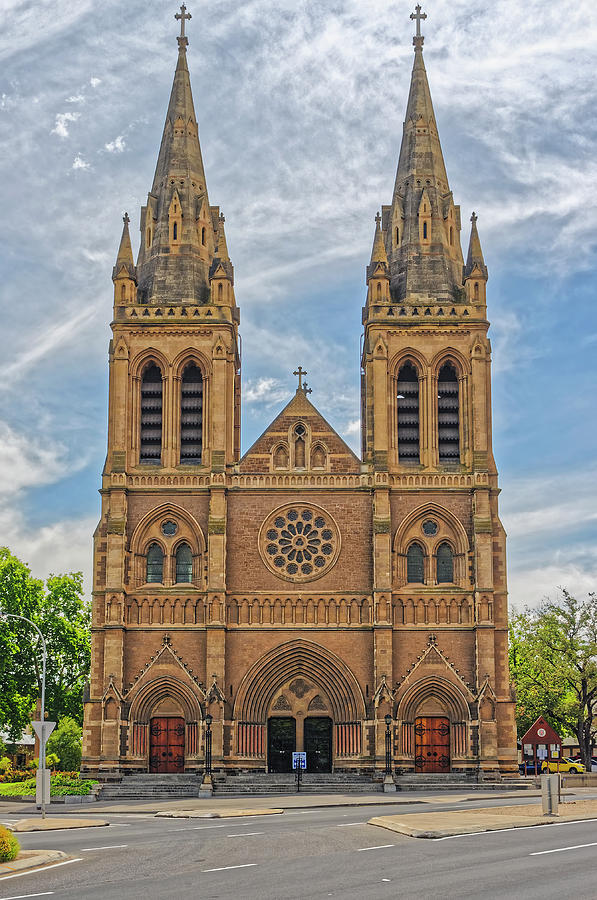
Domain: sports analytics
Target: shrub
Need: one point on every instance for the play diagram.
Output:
(52, 760)
(9, 846)
(65, 742)
(14, 775)
(5, 765)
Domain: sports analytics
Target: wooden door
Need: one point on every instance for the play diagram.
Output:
(432, 744)
(166, 749)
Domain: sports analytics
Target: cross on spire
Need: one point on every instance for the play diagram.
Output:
(300, 372)
(182, 17)
(306, 388)
(418, 16)
(474, 218)
(126, 219)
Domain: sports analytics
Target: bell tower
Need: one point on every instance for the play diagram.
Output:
(426, 407)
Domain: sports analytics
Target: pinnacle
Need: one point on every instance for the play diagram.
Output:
(124, 258)
(475, 253)
(378, 253)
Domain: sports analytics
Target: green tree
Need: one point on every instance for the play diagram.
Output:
(65, 742)
(553, 658)
(64, 618)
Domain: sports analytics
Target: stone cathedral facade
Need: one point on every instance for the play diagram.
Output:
(297, 593)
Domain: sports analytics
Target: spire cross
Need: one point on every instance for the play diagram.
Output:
(300, 372)
(418, 16)
(474, 218)
(377, 219)
(182, 17)
(126, 219)
(306, 388)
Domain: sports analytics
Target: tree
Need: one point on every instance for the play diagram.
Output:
(65, 743)
(64, 618)
(553, 658)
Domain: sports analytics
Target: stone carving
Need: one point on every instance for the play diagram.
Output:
(317, 702)
(299, 542)
(299, 687)
(281, 703)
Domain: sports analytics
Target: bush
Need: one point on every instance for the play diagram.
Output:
(14, 775)
(5, 765)
(65, 742)
(52, 760)
(61, 785)
(9, 846)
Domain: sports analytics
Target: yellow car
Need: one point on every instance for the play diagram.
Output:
(563, 765)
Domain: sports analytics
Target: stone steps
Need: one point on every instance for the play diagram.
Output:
(285, 783)
(152, 787)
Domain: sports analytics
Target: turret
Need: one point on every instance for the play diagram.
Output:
(475, 270)
(222, 270)
(124, 273)
(378, 270)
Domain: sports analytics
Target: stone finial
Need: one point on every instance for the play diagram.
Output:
(418, 17)
(126, 219)
(183, 17)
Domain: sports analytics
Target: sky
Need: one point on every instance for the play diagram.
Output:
(300, 107)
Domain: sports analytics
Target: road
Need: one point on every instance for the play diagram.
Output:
(310, 853)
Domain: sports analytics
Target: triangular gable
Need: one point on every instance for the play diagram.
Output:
(300, 409)
(433, 655)
(166, 654)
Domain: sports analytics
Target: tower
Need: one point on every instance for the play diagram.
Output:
(426, 436)
(174, 430)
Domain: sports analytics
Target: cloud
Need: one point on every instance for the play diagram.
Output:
(95, 82)
(76, 98)
(353, 428)
(79, 163)
(117, 145)
(267, 391)
(62, 122)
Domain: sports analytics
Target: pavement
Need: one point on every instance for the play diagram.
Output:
(29, 859)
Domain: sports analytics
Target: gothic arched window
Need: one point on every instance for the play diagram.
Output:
(425, 230)
(184, 565)
(476, 291)
(150, 450)
(445, 564)
(175, 231)
(448, 416)
(451, 236)
(155, 564)
(191, 415)
(415, 564)
(220, 292)
(299, 446)
(408, 414)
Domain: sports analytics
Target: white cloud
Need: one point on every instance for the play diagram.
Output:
(117, 145)
(76, 98)
(95, 82)
(63, 120)
(45, 342)
(268, 391)
(353, 428)
(79, 163)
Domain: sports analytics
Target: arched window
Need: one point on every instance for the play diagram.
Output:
(191, 415)
(451, 236)
(151, 415)
(155, 564)
(148, 241)
(318, 457)
(299, 446)
(123, 292)
(220, 292)
(424, 231)
(415, 564)
(408, 414)
(175, 230)
(281, 457)
(476, 290)
(445, 564)
(203, 236)
(379, 290)
(397, 237)
(448, 417)
(184, 565)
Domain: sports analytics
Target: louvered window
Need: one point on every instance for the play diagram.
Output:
(155, 564)
(448, 415)
(408, 414)
(151, 415)
(184, 565)
(191, 416)
(415, 564)
(445, 564)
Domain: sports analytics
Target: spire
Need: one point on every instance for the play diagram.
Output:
(426, 258)
(474, 258)
(124, 259)
(378, 253)
(378, 271)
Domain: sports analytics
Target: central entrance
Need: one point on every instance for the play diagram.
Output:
(166, 744)
(281, 742)
(318, 743)
(432, 744)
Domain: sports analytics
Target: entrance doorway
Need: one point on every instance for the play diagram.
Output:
(281, 742)
(432, 744)
(166, 744)
(318, 743)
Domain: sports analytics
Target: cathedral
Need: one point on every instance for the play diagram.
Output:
(298, 597)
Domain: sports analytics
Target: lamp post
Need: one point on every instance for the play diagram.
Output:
(388, 720)
(42, 744)
(208, 721)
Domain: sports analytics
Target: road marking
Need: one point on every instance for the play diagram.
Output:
(245, 834)
(380, 847)
(22, 896)
(112, 847)
(224, 868)
(39, 869)
(450, 837)
(350, 824)
(563, 849)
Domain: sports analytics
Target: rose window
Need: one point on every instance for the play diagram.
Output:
(299, 542)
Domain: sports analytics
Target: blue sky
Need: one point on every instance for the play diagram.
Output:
(300, 108)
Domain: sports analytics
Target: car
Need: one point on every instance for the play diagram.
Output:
(593, 762)
(569, 766)
(528, 767)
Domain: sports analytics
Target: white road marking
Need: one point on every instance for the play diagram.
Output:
(350, 824)
(245, 834)
(450, 837)
(112, 847)
(224, 868)
(380, 847)
(22, 896)
(305, 812)
(39, 869)
(563, 849)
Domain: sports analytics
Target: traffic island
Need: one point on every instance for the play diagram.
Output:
(32, 859)
(220, 814)
(54, 823)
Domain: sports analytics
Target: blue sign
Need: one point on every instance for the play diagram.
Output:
(299, 760)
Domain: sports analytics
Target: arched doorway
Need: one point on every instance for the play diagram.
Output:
(432, 744)
(166, 744)
(318, 743)
(281, 743)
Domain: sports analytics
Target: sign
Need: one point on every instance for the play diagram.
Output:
(541, 732)
(541, 753)
(299, 760)
(47, 731)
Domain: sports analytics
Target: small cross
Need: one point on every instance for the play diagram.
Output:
(182, 17)
(377, 218)
(222, 218)
(306, 388)
(418, 16)
(300, 372)
(474, 218)
(126, 219)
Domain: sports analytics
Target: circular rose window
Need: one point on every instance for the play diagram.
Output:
(299, 542)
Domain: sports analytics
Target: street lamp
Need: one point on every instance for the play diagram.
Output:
(42, 744)
(388, 720)
(208, 721)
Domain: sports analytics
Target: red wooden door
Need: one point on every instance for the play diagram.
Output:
(166, 749)
(432, 744)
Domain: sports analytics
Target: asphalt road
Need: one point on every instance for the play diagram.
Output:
(313, 853)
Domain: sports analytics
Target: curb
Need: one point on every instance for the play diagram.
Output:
(223, 814)
(475, 827)
(31, 859)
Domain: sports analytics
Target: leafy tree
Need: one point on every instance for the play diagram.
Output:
(553, 658)
(65, 743)
(64, 618)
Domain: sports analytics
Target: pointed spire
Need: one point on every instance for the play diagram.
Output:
(475, 254)
(222, 248)
(124, 259)
(378, 253)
